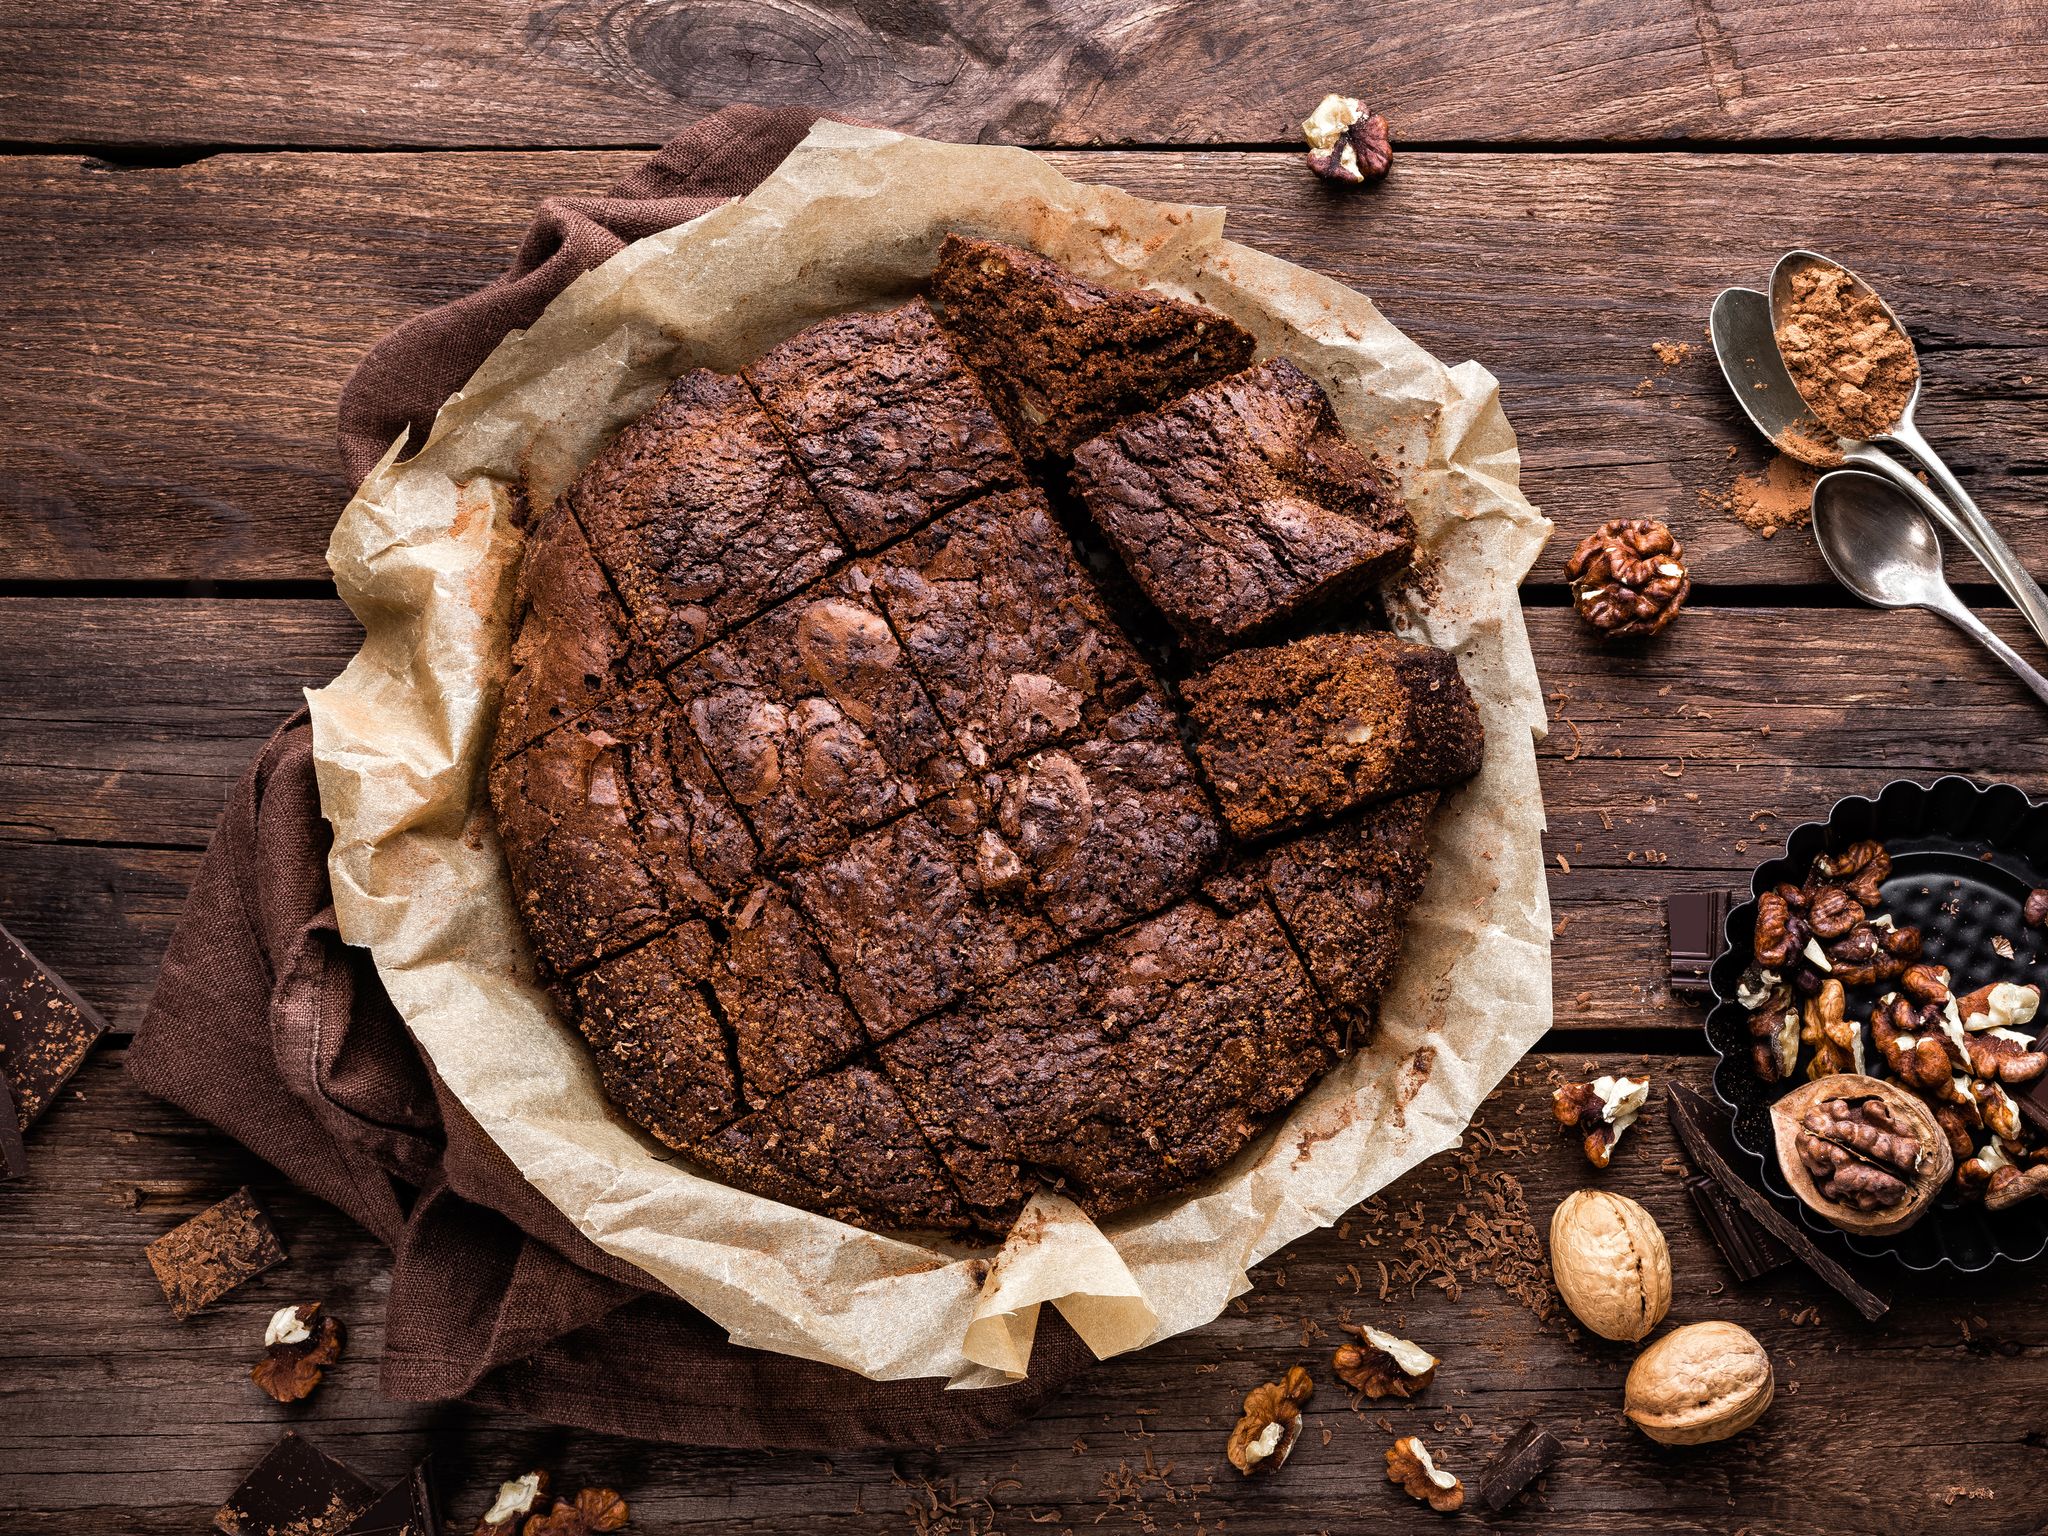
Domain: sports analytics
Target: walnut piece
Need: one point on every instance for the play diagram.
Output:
(1271, 1423)
(1411, 1466)
(1860, 869)
(298, 1346)
(1628, 579)
(2001, 1005)
(2035, 913)
(1346, 143)
(1381, 1365)
(1600, 1111)
(1859, 1153)
(1774, 1026)
(515, 1501)
(594, 1510)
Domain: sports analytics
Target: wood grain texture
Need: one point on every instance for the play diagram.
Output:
(182, 335)
(120, 1418)
(1680, 763)
(581, 72)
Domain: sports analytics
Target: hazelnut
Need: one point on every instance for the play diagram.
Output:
(1611, 1265)
(1702, 1382)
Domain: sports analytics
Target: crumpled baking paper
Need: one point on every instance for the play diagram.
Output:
(426, 555)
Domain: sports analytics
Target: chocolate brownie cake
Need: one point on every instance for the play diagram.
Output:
(1241, 505)
(856, 835)
(1305, 731)
(1064, 359)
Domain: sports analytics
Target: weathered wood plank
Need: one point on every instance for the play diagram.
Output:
(182, 335)
(499, 73)
(115, 1417)
(125, 725)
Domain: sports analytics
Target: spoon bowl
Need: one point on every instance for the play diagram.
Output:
(1789, 266)
(1746, 347)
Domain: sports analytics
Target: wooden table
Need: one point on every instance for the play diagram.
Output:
(213, 212)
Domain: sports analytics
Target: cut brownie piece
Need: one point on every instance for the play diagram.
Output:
(816, 724)
(778, 991)
(1125, 1068)
(1241, 505)
(913, 918)
(1344, 893)
(889, 427)
(1303, 732)
(1005, 627)
(843, 1145)
(660, 1049)
(700, 517)
(569, 641)
(1103, 829)
(614, 827)
(1064, 359)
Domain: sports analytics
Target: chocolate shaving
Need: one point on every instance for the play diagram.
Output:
(296, 1490)
(1703, 1130)
(1750, 1251)
(1527, 1456)
(46, 1030)
(200, 1261)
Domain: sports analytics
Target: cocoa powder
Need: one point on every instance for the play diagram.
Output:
(1852, 367)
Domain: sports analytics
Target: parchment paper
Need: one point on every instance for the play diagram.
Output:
(426, 554)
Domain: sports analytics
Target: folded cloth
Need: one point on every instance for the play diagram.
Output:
(267, 1025)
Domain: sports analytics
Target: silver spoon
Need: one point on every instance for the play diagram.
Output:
(1974, 528)
(1885, 552)
(1747, 348)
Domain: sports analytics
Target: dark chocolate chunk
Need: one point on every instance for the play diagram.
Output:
(296, 1490)
(1696, 921)
(407, 1508)
(1704, 1131)
(1750, 1251)
(201, 1261)
(2034, 1104)
(1527, 1456)
(46, 1030)
(13, 1155)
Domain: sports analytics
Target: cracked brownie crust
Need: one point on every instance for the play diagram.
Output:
(879, 870)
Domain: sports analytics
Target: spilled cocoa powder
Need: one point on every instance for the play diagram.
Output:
(1770, 500)
(1852, 367)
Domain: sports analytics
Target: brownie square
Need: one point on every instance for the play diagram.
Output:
(659, 1046)
(1241, 505)
(1102, 829)
(1344, 893)
(614, 827)
(201, 1260)
(700, 517)
(919, 912)
(1063, 359)
(569, 635)
(816, 724)
(1005, 627)
(1303, 732)
(843, 1145)
(777, 989)
(1124, 1068)
(889, 427)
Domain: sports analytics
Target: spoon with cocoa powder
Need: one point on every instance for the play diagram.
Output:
(1854, 367)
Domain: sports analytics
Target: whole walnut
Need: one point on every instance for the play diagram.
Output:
(1699, 1383)
(1611, 1264)
(1628, 578)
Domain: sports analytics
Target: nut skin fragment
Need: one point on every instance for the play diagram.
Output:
(1611, 1264)
(1699, 1383)
(1628, 579)
(1271, 1423)
(291, 1369)
(1369, 1365)
(1409, 1465)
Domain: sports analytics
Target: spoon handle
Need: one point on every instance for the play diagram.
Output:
(1970, 525)
(1968, 622)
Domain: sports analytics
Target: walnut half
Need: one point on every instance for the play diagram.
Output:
(1271, 1423)
(1410, 1465)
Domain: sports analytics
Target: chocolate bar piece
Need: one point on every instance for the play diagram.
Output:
(201, 1261)
(46, 1029)
(1703, 1129)
(13, 1154)
(1697, 921)
(296, 1490)
(1527, 1456)
(407, 1508)
(1750, 1251)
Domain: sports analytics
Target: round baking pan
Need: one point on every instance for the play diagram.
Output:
(1964, 855)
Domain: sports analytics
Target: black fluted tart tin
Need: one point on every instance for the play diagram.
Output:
(1964, 855)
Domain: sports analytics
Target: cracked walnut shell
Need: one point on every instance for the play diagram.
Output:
(1611, 1264)
(1702, 1382)
(1381, 1365)
(1861, 1152)
(1628, 578)
(1271, 1423)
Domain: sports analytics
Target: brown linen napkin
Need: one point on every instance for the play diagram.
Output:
(265, 1024)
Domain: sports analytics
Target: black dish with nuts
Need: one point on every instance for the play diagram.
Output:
(1904, 940)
